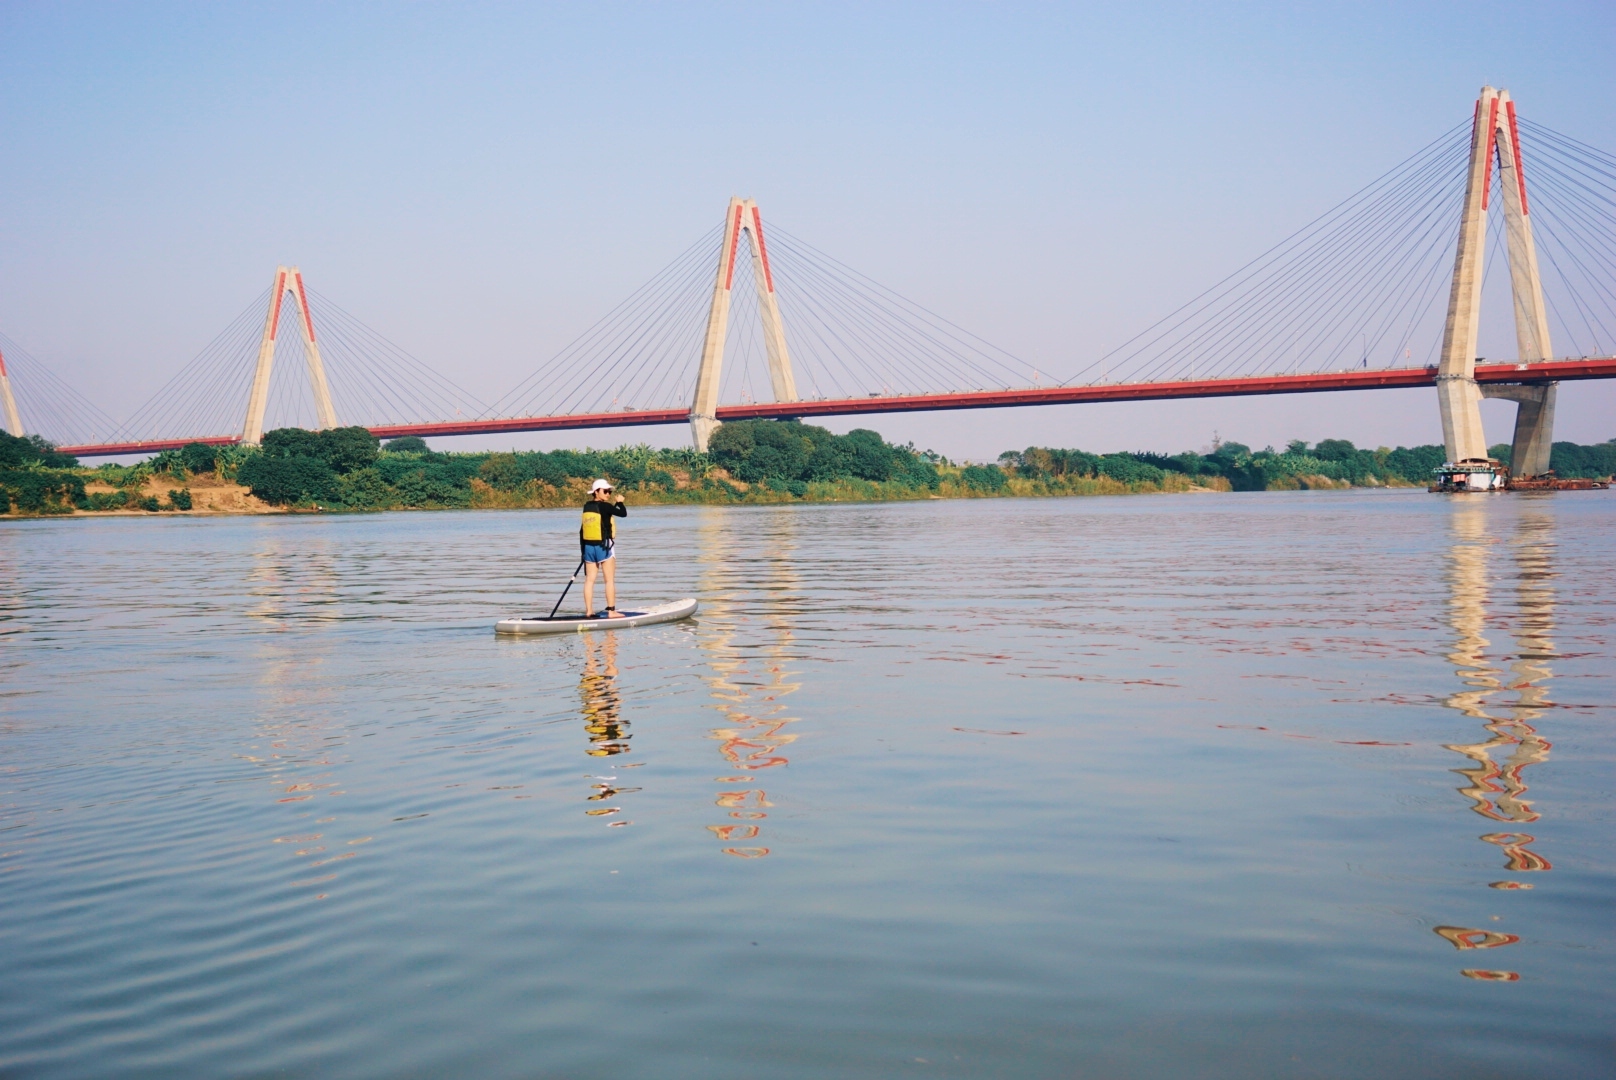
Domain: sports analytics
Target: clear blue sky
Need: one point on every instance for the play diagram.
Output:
(480, 181)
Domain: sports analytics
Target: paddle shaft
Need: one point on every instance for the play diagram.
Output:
(563, 595)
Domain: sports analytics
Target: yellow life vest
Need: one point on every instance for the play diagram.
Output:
(591, 527)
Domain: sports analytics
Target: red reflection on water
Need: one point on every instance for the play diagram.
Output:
(1463, 937)
(1506, 702)
(748, 682)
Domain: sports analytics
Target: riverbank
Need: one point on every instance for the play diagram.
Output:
(748, 463)
(211, 496)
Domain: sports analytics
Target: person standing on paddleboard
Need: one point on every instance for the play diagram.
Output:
(595, 536)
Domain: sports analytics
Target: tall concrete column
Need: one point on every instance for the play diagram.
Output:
(252, 429)
(1496, 135)
(13, 418)
(704, 410)
(1534, 424)
(325, 414)
(781, 379)
(742, 217)
(1457, 393)
(287, 280)
(1534, 419)
(1531, 315)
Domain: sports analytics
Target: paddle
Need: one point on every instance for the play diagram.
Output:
(563, 595)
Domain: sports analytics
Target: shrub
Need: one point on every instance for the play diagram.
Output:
(179, 500)
(149, 503)
(199, 457)
(32, 450)
(916, 471)
(423, 489)
(341, 449)
(1127, 469)
(784, 451)
(348, 448)
(1570, 459)
(1040, 462)
(229, 459)
(290, 442)
(1334, 450)
(1416, 464)
(106, 500)
(170, 462)
(983, 477)
(281, 481)
(505, 471)
(364, 489)
(41, 491)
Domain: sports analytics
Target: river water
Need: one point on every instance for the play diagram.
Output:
(1288, 784)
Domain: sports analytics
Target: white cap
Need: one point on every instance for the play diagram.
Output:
(600, 485)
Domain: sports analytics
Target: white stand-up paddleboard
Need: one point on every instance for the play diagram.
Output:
(569, 624)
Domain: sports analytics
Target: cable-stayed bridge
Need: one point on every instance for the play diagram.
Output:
(1385, 290)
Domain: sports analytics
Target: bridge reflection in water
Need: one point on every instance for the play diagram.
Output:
(1494, 780)
(749, 677)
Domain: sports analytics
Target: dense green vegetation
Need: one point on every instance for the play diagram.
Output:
(1570, 460)
(1332, 462)
(788, 455)
(748, 461)
(31, 450)
(345, 468)
(35, 479)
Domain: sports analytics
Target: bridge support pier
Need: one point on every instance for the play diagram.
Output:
(742, 217)
(1534, 424)
(288, 282)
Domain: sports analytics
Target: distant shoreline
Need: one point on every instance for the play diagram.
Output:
(748, 463)
(223, 498)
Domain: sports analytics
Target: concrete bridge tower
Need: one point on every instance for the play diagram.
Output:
(1494, 137)
(9, 401)
(288, 282)
(742, 217)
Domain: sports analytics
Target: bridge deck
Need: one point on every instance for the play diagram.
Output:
(1380, 379)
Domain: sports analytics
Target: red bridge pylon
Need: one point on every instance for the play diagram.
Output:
(13, 418)
(1495, 137)
(288, 282)
(742, 217)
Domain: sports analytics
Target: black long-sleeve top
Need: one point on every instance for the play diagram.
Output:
(607, 511)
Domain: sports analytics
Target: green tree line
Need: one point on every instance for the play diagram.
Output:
(1335, 460)
(747, 461)
(347, 468)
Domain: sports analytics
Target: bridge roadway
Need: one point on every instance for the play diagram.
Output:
(1357, 379)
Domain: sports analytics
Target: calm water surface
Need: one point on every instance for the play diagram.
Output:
(1311, 785)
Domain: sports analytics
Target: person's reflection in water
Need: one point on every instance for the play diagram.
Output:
(1497, 791)
(603, 720)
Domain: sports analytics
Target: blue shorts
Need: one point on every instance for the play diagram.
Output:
(596, 553)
